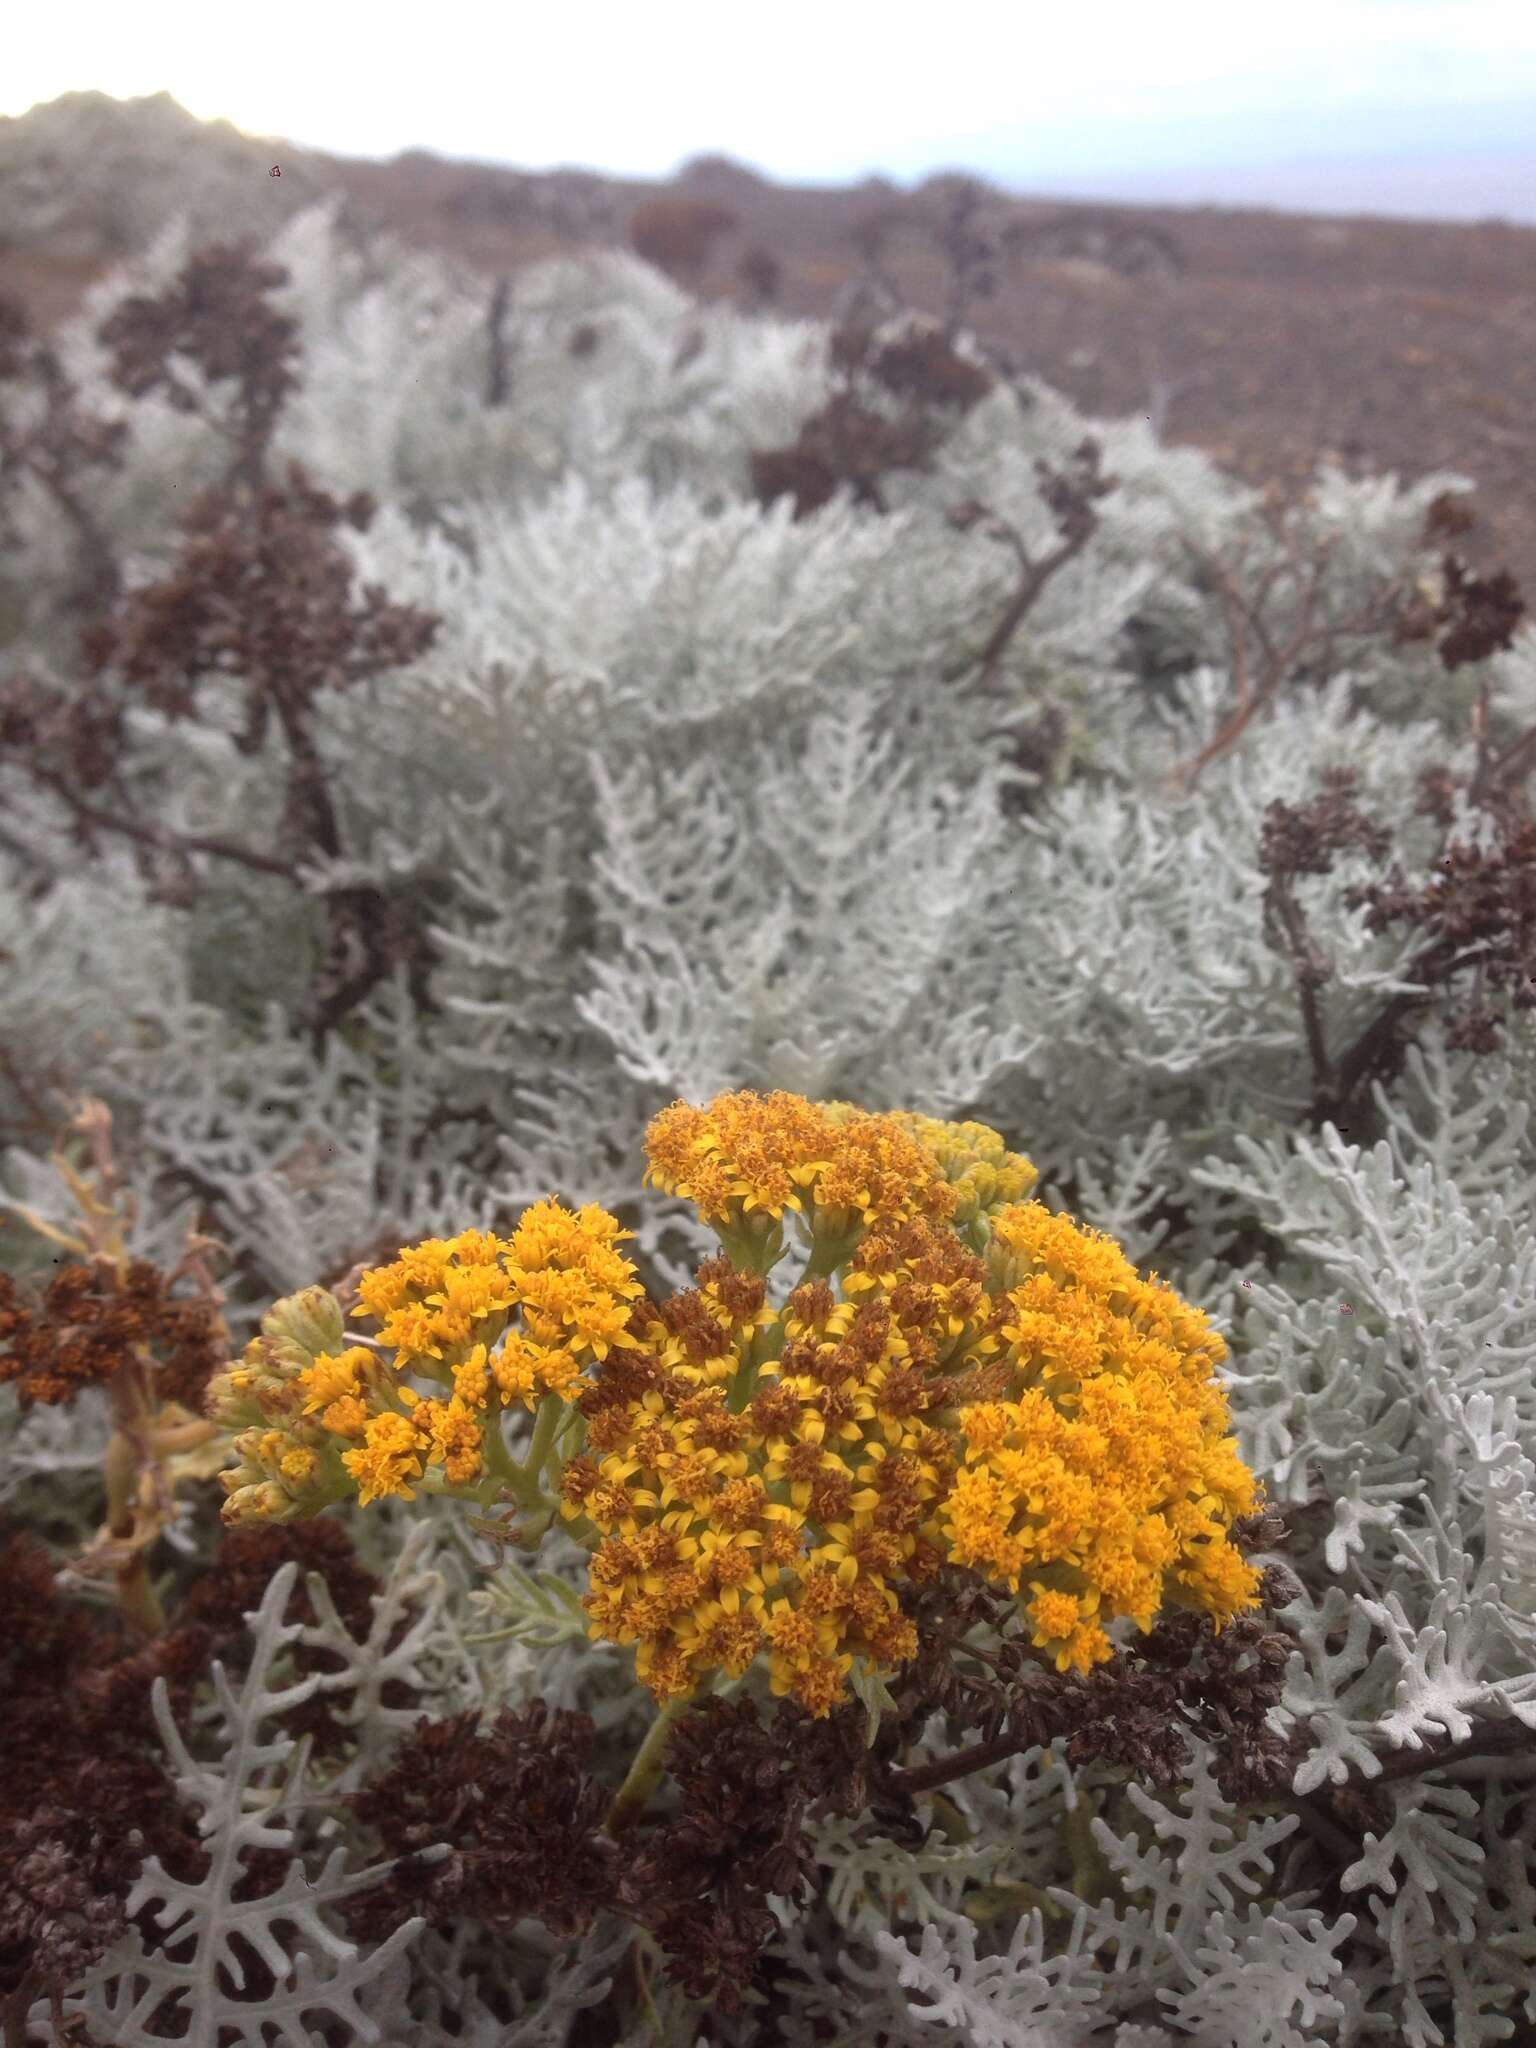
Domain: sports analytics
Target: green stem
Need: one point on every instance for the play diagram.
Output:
(835, 1236)
(581, 1529)
(646, 1768)
(571, 1436)
(744, 1379)
(551, 1413)
(502, 1469)
(823, 1260)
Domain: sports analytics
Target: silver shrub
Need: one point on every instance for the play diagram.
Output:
(700, 812)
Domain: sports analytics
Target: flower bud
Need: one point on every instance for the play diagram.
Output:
(265, 1502)
(303, 1325)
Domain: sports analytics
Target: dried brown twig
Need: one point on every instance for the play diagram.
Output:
(1071, 499)
(851, 441)
(260, 602)
(1479, 909)
(110, 1320)
(1270, 646)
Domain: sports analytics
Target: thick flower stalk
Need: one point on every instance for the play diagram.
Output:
(958, 1376)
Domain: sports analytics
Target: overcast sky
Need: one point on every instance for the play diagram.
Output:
(1060, 97)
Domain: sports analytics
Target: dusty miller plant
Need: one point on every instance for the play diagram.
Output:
(831, 713)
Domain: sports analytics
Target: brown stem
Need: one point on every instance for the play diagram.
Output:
(1480, 734)
(1243, 618)
(1371, 1048)
(161, 836)
(13, 2020)
(1500, 1739)
(1311, 970)
(496, 371)
(308, 794)
(1033, 579)
(962, 1764)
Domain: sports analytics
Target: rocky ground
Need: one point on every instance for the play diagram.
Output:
(1263, 338)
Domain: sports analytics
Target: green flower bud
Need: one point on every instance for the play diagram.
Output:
(303, 1325)
(754, 1243)
(258, 1388)
(265, 1502)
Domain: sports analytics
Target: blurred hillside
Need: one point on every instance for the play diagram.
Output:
(1265, 339)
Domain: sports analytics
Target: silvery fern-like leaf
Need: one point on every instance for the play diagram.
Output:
(1221, 1858)
(1447, 1663)
(848, 806)
(520, 1605)
(1265, 1979)
(51, 1461)
(1023, 1998)
(660, 1012)
(126, 2005)
(303, 1158)
(1189, 1934)
(1467, 1117)
(1508, 1475)
(1120, 1207)
(249, 1792)
(83, 994)
(447, 2006)
(1433, 1850)
(870, 1885)
(411, 1642)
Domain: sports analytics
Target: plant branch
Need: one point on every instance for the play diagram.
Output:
(646, 1769)
(161, 836)
(1071, 499)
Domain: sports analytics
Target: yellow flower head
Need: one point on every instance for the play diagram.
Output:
(457, 1438)
(331, 1378)
(744, 1155)
(1108, 1480)
(974, 1159)
(392, 1453)
(444, 1303)
(960, 1375)
(786, 1524)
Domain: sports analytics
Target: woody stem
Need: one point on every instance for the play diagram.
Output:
(136, 1594)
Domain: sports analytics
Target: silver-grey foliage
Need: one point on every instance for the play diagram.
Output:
(698, 810)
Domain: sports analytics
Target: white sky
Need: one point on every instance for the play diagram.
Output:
(816, 90)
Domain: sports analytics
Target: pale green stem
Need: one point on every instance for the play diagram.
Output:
(502, 1469)
(823, 1260)
(744, 1379)
(569, 1437)
(551, 1413)
(646, 1769)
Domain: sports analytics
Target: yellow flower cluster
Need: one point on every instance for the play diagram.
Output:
(444, 1304)
(984, 1174)
(782, 1527)
(747, 1159)
(958, 1376)
(1106, 1481)
(289, 1465)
